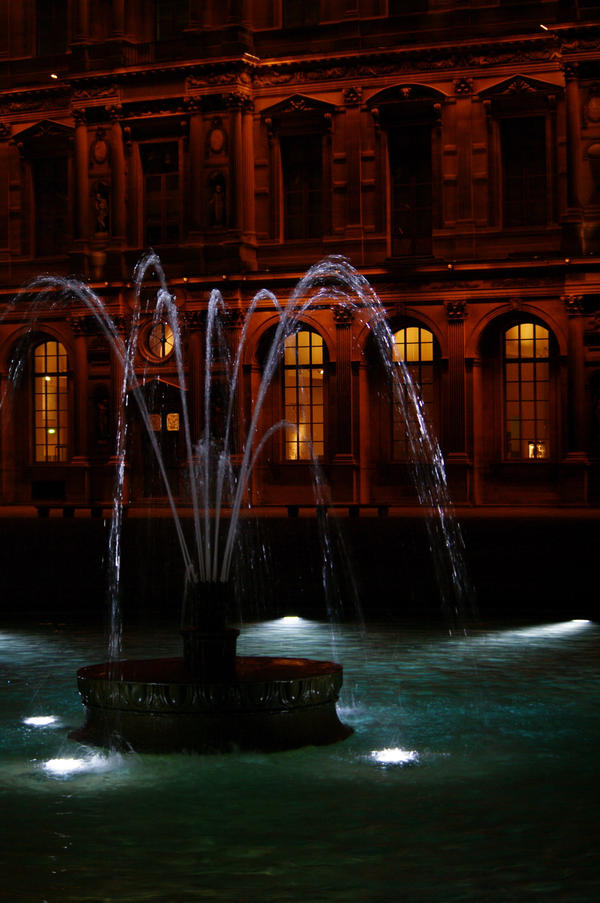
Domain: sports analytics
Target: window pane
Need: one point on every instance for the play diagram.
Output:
(50, 395)
(526, 390)
(414, 345)
(303, 394)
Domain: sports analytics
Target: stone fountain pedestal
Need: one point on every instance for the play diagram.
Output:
(254, 703)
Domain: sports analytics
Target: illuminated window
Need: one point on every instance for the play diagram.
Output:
(50, 402)
(414, 346)
(303, 390)
(161, 341)
(527, 391)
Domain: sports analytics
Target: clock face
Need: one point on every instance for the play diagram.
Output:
(161, 341)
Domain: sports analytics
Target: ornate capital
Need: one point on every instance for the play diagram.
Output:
(5, 131)
(456, 310)
(352, 96)
(342, 315)
(573, 305)
(80, 116)
(239, 102)
(115, 112)
(571, 71)
(463, 87)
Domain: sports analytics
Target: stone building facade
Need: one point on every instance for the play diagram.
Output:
(450, 151)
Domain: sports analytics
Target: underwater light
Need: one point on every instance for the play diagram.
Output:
(40, 720)
(291, 619)
(395, 756)
(65, 767)
(580, 621)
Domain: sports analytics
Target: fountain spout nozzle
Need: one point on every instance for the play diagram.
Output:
(209, 646)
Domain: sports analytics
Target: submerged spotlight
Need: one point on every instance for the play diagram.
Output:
(291, 619)
(40, 720)
(395, 756)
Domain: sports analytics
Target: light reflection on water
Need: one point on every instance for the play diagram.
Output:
(502, 727)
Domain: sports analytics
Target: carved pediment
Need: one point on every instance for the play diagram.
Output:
(402, 94)
(43, 136)
(520, 86)
(299, 103)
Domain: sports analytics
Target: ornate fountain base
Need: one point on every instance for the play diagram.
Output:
(155, 705)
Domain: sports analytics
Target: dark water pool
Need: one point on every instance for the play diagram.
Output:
(472, 775)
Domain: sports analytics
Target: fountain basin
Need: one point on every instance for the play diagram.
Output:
(154, 705)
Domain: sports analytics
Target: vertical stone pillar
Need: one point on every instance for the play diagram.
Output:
(572, 225)
(118, 22)
(248, 224)
(457, 464)
(81, 22)
(193, 322)
(235, 103)
(573, 102)
(352, 125)
(575, 464)
(343, 317)
(80, 458)
(364, 408)
(81, 168)
(196, 167)
(576, 375)
(119, 228)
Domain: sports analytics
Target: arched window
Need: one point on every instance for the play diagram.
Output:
(527, 391)
(413, 345)
(303, 395)
(50, 402)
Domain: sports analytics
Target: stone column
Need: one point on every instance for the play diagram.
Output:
(457, 463)
(576, 375)
(81, 22)
(81, 168)
(193, 104)
(119, 229)
(572, 237)
(575, 464)
(80, 458)
(343, 317)
(573, 103)
(248, 224)
(118, 22)
(364, 407)
(353, 131)
(235, 103)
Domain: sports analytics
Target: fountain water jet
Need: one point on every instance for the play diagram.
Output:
(212, 699)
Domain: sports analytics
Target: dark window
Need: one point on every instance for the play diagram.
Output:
(300, 12)
(302, 162)
(162, 201)
(524, 170)
(51, 27)
(171, 18)
(51, 208)
(411, 189)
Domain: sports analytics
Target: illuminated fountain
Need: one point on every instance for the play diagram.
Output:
(211, 698)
